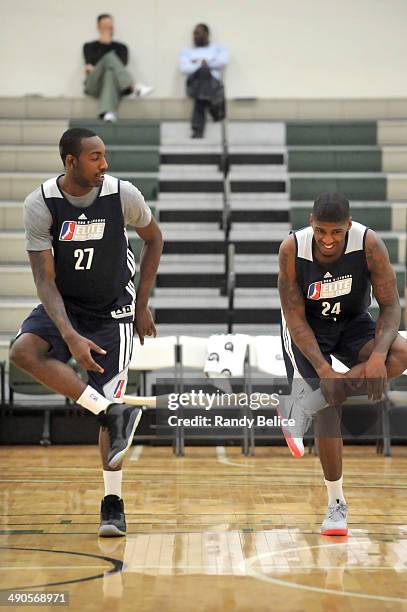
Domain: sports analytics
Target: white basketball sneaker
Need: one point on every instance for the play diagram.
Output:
(294, 434)
(300, 407)
(335, 522)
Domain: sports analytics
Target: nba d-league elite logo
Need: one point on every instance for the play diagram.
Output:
(330, 287)
(81, 230)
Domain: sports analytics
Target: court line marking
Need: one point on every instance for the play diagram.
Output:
(295, 471)
(50, 567)
(247, 567)
(130, 568)
(116, 563)
(222, 458)
(135, 455)
(298, 470)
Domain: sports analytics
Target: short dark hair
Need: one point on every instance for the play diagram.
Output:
(204, 26)
(331, 207)
(103, 16)
(70, 143)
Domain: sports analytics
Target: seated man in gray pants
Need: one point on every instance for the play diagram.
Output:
(107, 77)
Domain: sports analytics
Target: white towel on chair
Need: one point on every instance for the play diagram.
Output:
(226, 355)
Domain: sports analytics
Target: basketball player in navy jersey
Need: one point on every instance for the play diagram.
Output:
(83, 268)
(327, 272)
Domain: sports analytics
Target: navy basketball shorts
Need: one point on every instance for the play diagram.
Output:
(343, 339)
(115, 337)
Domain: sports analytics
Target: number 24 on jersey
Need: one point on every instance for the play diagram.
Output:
(331, 309)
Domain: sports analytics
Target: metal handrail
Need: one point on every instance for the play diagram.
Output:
(226, 212)
(230, 285)
(224, 167)
(226, 225)
(224, 164)
(226, 220)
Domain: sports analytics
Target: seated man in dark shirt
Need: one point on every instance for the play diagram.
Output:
(106, 76)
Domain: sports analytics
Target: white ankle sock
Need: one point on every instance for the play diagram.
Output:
(334, 488)
(93, 401)
(113, 482)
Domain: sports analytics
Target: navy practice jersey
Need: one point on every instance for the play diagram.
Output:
(94, 264)
(334, 291)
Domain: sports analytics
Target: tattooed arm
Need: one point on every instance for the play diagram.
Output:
(42, 265)
(43, 269)
(293, 307)
(384, 286)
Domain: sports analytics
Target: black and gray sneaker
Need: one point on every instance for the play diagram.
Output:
(121, 421)
(112, 518)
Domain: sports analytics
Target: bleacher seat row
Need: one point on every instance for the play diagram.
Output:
(277, 168)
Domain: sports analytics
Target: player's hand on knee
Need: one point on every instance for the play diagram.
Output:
(333, 387)
(81, 348)
(144, 323)
(376, 376)
(355, 377)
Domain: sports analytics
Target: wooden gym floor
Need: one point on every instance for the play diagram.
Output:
(211, 531)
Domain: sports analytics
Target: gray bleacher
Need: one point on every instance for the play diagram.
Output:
(275, 168)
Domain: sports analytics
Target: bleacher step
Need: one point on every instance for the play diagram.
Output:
(239, 133)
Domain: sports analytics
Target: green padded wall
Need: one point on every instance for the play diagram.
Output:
(353, 188)
(148, 186)
(128, 160)
(308, 160)
(392, 245)
(401, 282)
(343, 133)
(123, 132)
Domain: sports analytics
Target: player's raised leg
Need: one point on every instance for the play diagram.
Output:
(34, 355)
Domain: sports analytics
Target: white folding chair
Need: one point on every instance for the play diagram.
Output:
(192, 355)
(193, 352)
(155, 354)
(268, 355)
